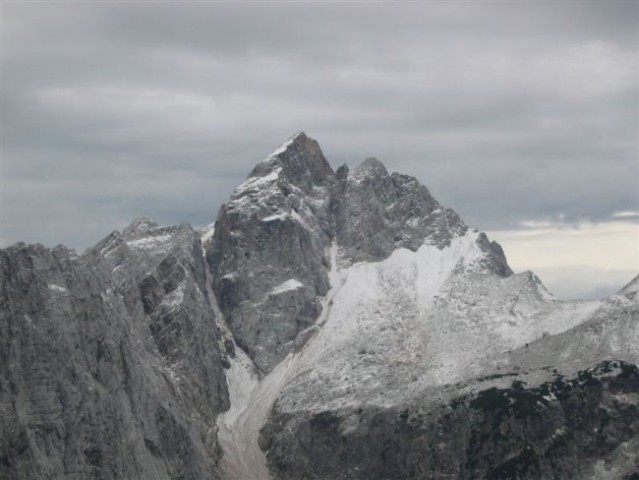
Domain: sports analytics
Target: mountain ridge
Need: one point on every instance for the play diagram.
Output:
(294, 198)
(329, 324)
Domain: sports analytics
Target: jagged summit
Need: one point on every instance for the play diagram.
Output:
(140, 225)
(299, 159)
(297, 141)
(370, 167)
(277, 228)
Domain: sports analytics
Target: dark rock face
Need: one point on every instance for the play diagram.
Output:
(376, 213)
(270, 251)
(496, 261)
(110, 364)
(562, 428)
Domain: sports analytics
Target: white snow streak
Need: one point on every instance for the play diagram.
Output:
(147, 243)
(57, 288)
(208, 234)
(282, 148)
(272, 218)
(175, 298)
(288, 285)
(257, 183)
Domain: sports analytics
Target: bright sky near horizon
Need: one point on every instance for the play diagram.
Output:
(575, 261)
(521, 116)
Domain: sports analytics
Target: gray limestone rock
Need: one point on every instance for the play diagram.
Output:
(268, 255)
(376, 213)
(110, 361)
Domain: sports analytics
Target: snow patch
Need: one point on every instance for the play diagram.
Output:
(57, 288)
(147, 243)
(175, 298)
(208, 234)
(299, 219)
(231, 276)
(287, 286)
(273, 218)
(415, 320)
(257, 183)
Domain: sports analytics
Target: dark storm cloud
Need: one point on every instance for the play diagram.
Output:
(508, 112)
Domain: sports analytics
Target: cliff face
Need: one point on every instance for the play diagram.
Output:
(268, 253)
(110, 361)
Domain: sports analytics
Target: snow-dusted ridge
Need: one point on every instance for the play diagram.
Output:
(378, 328)
(282, 148)
(255, 184)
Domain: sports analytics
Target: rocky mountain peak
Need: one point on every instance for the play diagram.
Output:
(140, 226)
(370, 167)
(299, 160)
(269, 250)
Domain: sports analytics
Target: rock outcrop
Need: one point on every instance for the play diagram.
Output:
(268, 252)
(110, 362)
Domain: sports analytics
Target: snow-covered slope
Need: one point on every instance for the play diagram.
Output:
(417, 320)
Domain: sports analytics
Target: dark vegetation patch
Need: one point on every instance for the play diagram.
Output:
(524, 402)
(522, 465)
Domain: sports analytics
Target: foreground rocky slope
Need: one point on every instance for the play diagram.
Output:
(584, 427)
(330, 324)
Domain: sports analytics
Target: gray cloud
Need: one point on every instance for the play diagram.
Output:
(507, 112)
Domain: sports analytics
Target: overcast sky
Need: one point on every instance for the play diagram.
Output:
(522, 116)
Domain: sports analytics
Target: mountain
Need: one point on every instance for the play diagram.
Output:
(111, 362)
(329, 324)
